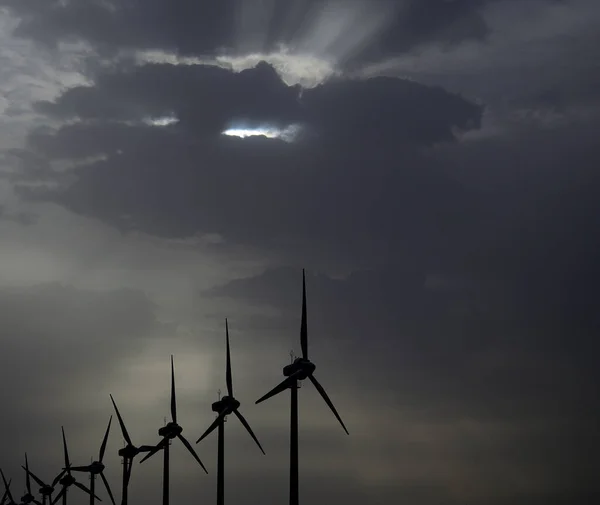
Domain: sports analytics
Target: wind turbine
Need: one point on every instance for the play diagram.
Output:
(46, 490)
(7, 494)
(169, 432)
(128, 453)
(225, 406)
(6, 491)
(301, 368)
(97, 468)
(68, 480)
(28, 497)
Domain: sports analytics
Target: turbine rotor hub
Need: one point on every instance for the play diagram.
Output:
(67, 480)
(171, 430)
(129, 451)
(96, 467)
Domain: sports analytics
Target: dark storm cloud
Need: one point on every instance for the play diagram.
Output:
(208, 99)
(436, 20)
(204, 98)
(266, 182)
(201, 26)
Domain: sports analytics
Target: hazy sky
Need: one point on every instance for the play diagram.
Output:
(440, 189)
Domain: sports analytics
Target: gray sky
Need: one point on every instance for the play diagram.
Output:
(438, 182)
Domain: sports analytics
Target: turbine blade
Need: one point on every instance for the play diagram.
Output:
(27, 477)
(228, 373)
(121, 423)
(219, 419)
(66, 451)
(57, 478)
(86, 468)
(7, 486)
(173, 399)
(104, 440)
(279, 388)
(88, 491)
(155, 449)
(191, 449)
(59, 495)
(37, 502)
(38, 481)
(146, 448)
(9, 492)
(112, 498)
(247, 426)
(322, 392)
(303, 325)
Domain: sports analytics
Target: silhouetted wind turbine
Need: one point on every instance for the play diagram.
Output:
(68, 480)
(28, 497)
(46, 490)
(97, 468)
(169, 432)
(6, 491)
(128, 453)
(302, 368)
(7, 494)
(225, 406)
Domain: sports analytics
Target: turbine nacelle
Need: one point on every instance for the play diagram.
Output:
(301, 367)
(67, 480)
(129, 451)
(46, 490)
(226, 404)
(28, 498)
(96, 467)
(171, 430)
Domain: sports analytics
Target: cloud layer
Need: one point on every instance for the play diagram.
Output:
(441, 193)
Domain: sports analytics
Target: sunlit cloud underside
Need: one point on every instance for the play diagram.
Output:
(312, 45)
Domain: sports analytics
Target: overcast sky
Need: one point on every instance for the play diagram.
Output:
(438, 179)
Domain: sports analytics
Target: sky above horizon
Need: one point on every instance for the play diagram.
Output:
(433, 164)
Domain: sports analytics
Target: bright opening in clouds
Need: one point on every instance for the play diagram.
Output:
(288, 134)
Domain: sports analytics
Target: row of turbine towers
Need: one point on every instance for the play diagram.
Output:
(300, 369)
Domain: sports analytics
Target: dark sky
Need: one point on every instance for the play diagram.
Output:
(439, 182)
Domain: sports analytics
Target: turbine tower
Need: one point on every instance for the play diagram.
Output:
(46, 490)
(169, 432)
(97, 468)
(128, 453)
(225, 406)
(68, 480)
(301, 368)
(28, 497)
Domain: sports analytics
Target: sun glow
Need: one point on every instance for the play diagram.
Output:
(287, 134)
